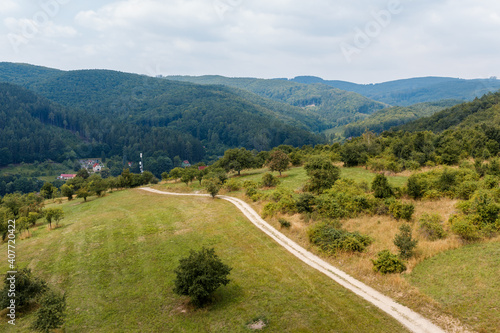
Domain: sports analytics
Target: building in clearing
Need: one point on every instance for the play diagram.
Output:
(64, 176)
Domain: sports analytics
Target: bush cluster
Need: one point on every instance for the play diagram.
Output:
(478, 216)
(330, 238)
(387, 263)
(400, 210)
(431, 227)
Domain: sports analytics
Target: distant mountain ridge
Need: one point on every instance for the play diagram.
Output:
(415, 90)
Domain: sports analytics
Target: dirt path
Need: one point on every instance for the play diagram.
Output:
(407, 317)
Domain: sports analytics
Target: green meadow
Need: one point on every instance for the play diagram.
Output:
(114, 258)
(465, 282)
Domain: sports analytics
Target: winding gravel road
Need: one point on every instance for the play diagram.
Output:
(407, 317)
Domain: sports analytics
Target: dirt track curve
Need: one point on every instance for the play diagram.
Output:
(407, 317)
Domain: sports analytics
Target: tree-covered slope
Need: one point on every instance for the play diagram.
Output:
(334, 107)
(484, 110)
(412, 91)
(387, 118)
(124, 114)
(27, 130)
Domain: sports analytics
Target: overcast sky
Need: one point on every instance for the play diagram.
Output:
(364, 41)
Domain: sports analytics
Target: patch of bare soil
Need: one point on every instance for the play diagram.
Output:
(257, 325)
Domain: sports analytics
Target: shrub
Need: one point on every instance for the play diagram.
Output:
(28, 287)
(199, 275)
(400, 210)
(381, 187)
(344, 199)
(412, 165)
(251, 191)
(269, 209)
(256, 197)
(295, 158)
(432, 195)
(489, 182)
(268, 180)
(330, 238)
(247, 184)
(490, 230)
(388, 263)
(394, 167)
(465, 190)
(463, 227)
(380, 207)
(404, 241)
(305, 203)
(286, 205)
(323, 174)
(232, 185)
(284, 223)
(51, 313)
(415, 187)
(431, 227)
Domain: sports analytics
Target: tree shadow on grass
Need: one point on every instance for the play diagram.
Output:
(226, 296)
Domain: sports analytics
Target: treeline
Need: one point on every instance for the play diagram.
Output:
(18, 183)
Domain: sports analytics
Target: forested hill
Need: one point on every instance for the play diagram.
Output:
(385, 119)
(335, 107)
(27, 130)
(412, 91)
(123, 114)
(484, 110)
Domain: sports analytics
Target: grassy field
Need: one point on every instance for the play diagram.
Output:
(48, 173)
(114, 257)
(466, 282)
(295, 178)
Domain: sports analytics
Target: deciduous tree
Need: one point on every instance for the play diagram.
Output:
(279, 161)
(200, 274)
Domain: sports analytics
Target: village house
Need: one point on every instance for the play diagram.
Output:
(64, 176)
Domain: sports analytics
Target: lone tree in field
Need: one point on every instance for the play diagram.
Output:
(279, 161)
(199, 275)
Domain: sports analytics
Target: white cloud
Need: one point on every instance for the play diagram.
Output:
(9, 6)
(271, 38)
(31, 28)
